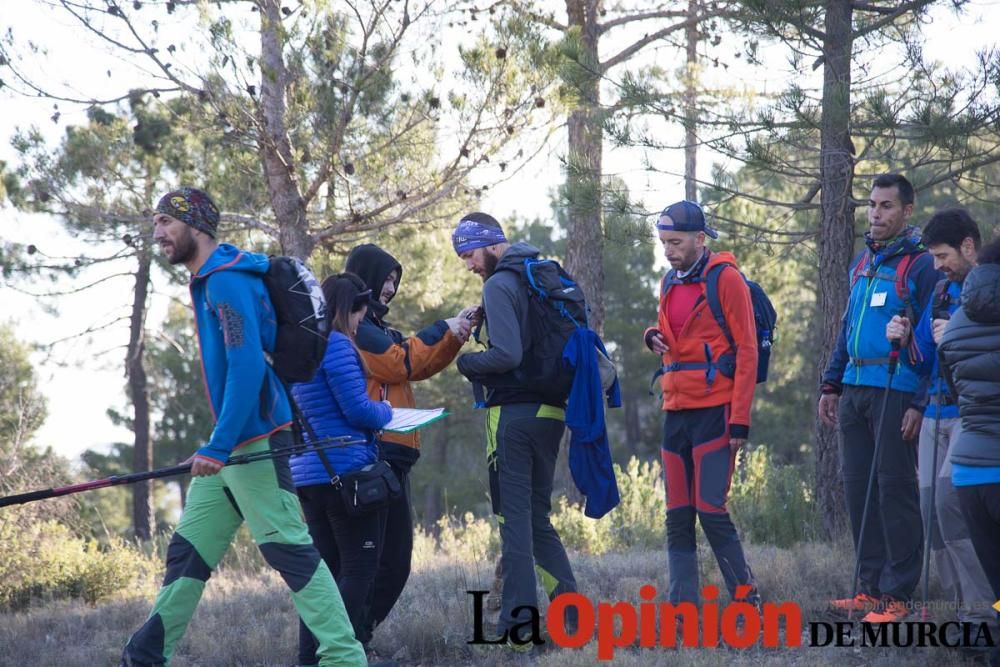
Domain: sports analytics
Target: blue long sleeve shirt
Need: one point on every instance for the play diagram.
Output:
(935, 386)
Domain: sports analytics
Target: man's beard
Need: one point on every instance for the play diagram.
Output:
(957, 276)
(489, 265)
(185, 249)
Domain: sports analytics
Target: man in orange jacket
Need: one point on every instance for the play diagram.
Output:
(707, 394)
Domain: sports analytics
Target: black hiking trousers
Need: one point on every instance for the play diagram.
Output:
(893, 546)
(522, 444)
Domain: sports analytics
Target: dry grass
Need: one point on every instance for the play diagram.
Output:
(246, 618)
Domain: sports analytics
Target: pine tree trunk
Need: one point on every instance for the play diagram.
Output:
(273, 142)
(836, 241)
(143, 519)
(585, 237)
(691, 107)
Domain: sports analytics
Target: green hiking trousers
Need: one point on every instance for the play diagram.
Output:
(262, 494)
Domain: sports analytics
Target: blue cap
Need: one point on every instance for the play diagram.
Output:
(685, 216)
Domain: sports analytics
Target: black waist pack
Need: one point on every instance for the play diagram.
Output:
(369, 489)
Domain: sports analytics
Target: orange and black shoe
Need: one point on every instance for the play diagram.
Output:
(889, 610)
(861, 603)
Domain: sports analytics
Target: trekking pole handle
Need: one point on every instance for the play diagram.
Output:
(894, 347)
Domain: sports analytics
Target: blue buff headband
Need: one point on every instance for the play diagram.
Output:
(470, 235)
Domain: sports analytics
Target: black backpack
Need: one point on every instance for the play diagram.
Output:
(557, 307)
(764, 315)
(301, 311)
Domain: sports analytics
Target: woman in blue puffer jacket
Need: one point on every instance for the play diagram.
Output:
(335, 403)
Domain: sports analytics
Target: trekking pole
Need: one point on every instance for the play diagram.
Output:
(170, 471)
(941, 313)
(930, 520)
(893, 362)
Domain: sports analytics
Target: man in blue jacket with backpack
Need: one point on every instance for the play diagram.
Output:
(892, 275)
(236, 324)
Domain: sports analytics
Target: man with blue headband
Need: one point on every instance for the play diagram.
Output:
(524, 427)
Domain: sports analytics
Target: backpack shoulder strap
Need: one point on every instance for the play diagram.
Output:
(941, 288)
(903, 273)
(858, 268)
(529, 274)
(906, 262)
(715, 304)
(666, 282)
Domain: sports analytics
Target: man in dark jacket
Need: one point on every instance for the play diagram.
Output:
(892, 273)
(394, 361)
(524, 424)
(971, 362)
(952, 239)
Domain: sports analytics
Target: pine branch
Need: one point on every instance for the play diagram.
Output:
(640, 16)
(639, 44)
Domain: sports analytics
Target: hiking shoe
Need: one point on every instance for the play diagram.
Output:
(128, 661)
(376, 660)
(861, 602)
(753, 599)
(890, 611)
(523, 654)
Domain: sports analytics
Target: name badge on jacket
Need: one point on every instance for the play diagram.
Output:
(878, 299)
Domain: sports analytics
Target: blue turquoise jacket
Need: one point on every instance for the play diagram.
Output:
(236, 324)
(335, 403)
(935, 385)
(861, 355)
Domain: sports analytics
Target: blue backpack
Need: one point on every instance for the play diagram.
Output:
(764, 315)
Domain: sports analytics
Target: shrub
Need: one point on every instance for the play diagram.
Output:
(638, 522)
(46, 560)
(458, 538)
(772, 504)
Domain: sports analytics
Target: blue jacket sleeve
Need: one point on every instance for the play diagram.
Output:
(347, 383)
(231, 295)
(834, 373)
(923, 278)
(925, 343)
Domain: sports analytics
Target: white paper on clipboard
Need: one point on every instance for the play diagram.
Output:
(406, 420)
